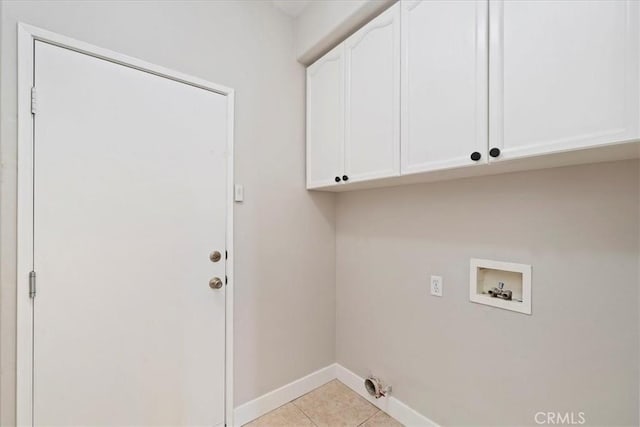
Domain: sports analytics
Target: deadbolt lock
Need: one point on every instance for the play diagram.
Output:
(215, 256)
(215, 283)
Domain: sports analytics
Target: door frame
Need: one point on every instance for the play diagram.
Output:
(27, 35)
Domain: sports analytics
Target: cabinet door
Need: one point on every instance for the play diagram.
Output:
(444, 84)
(325, 119)
(563, 75)
(372, 133)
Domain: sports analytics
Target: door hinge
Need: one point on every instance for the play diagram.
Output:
(34, 103)
(226, 255)
(32, 284)
(226, 280)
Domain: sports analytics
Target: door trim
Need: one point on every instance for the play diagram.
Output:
(27, 35)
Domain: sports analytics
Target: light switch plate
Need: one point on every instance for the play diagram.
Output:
(436, 286)
(239, 193)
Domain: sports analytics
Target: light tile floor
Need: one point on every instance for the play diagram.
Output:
(333, 404)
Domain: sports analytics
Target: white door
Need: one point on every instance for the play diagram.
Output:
(372, 126)
(129, 202)
(563, 75)
(325, 119)
(444, 84)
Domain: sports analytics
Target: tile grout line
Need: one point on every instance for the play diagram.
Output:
(378, 410)
(374, 414)
(304, 413)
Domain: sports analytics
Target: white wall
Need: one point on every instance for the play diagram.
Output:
(461, 363)
(324, 24)
(285, 254)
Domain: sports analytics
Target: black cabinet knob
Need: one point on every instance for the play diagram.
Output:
(494, 152)
(475, 156)
(345, 178)
(337, 179)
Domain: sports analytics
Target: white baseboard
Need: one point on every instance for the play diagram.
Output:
(390, 405)
(274, 399)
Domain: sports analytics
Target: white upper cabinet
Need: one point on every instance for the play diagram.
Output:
(444, 84)
(563, 75)
(435, 85)
(372, 122)
(325, 119)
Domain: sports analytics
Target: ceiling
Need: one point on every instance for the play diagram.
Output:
(292, 8)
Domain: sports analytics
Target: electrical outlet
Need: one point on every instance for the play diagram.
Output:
(436, 286)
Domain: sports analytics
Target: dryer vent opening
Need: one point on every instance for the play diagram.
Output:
(376, 388)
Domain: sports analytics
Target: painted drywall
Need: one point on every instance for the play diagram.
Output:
(324, 24)
(285, 259)
(460, 363)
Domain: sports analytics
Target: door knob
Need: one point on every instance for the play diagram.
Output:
(494, 152)
(215, 283)
(475, 156)
(215, 256)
